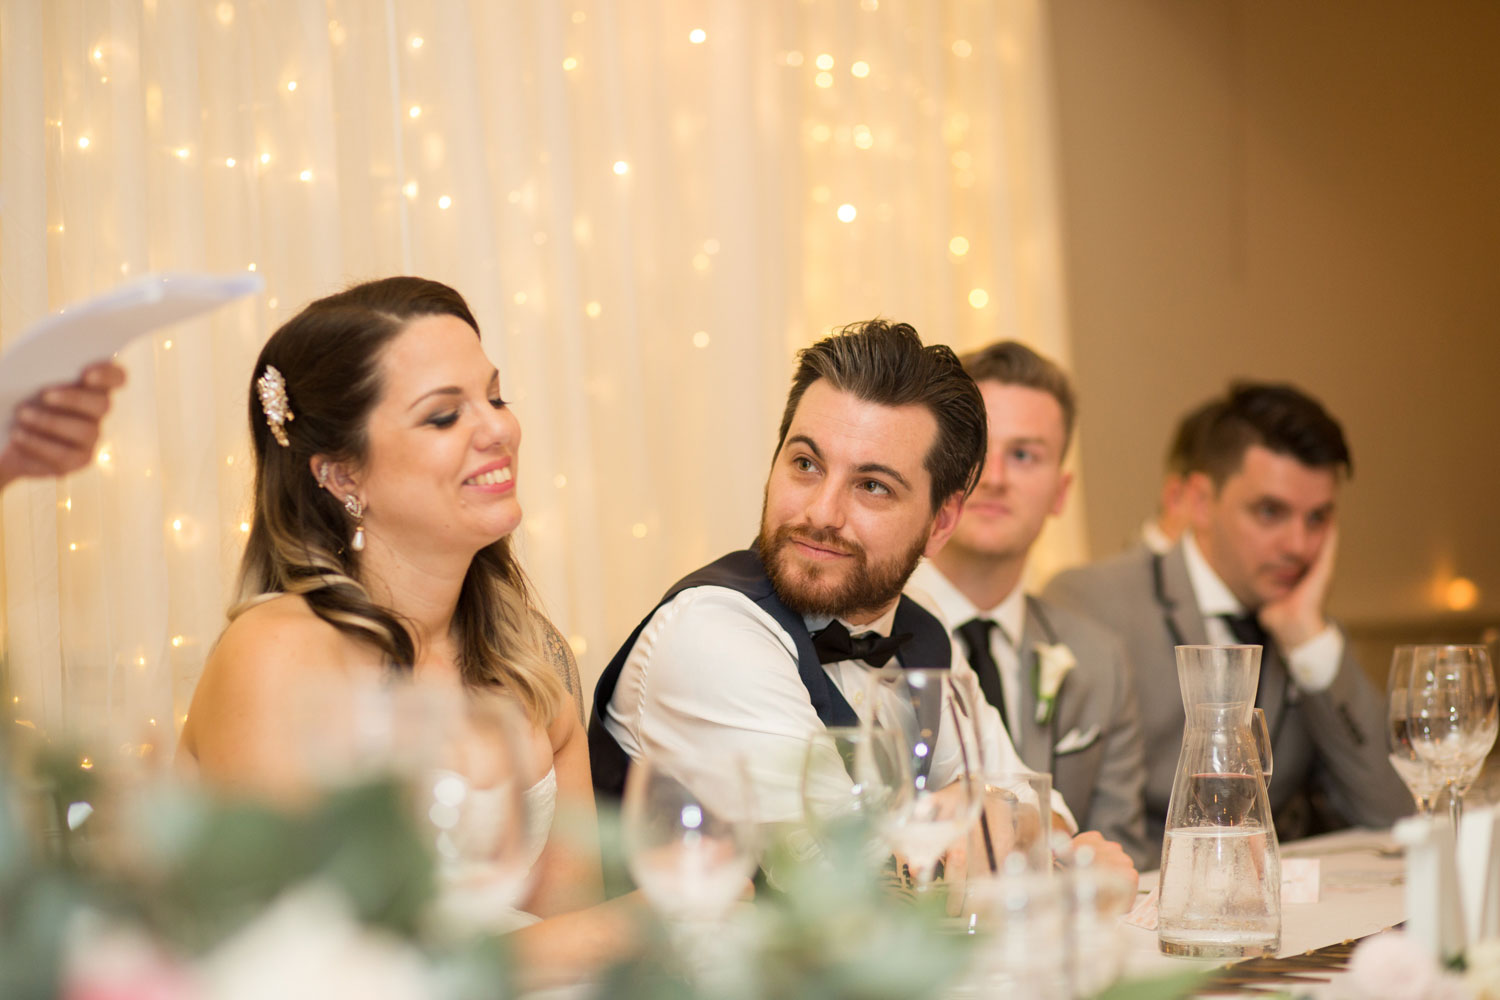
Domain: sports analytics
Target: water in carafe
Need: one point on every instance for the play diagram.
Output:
(1220, 865)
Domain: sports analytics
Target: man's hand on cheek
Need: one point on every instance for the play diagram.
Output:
(1298, 616)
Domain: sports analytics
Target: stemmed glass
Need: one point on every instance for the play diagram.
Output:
(1420, 776)
(1018, 821)
(1452, 715)
(944, 772)
(690, 841)
(854, 778)
(485, 830)
(457, 756)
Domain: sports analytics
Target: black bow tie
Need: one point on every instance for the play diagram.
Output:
(834, 644)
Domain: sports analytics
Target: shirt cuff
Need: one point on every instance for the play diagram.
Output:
(1315, 663)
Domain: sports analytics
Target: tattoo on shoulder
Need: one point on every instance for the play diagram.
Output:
(560, 655)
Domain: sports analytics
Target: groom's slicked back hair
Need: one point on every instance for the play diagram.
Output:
(886, 363)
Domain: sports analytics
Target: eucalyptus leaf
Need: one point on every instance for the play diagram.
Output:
(14, 850)
(483, 968)
(208, 865)
(1169, 987)
(373, 851)
(34, 918)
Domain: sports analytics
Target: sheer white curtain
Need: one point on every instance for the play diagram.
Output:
(650, 206)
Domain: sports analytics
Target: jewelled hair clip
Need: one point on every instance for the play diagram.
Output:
(272, 389)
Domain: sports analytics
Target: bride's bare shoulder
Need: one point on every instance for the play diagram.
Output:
(284, 625)
(269, 653)
(242, 728)
(276, 642)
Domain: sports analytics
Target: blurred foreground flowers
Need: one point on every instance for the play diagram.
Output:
(171, 893)
(113, 889)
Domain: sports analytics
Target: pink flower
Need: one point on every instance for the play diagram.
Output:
(109, 961)
(1391, 966)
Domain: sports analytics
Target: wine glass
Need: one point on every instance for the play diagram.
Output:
(1452, 715)
(487, 818)
(853, 779)
(690, 841)
(1421, 777)
(944, 773)
(1022, 918)
(1016, 820)
(1098, 895)
(457, 757)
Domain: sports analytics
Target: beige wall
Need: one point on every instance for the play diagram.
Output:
(1307, 191)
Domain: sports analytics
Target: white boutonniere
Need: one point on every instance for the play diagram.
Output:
(1053, 661)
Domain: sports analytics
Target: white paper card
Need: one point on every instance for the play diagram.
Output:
(1434, 913)
(55, 350)
(1145, 912)
(1299, 880)
(1479, 871)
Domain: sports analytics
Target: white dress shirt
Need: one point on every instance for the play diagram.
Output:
(713, 677)
(937, 593)
(1313, 665)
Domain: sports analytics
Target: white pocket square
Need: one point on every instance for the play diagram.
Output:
(1075, 740)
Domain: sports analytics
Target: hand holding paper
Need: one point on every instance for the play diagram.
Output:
(55, 379)
(55, 432)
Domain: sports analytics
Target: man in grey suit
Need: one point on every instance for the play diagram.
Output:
(1087, 735)
(1254, 568)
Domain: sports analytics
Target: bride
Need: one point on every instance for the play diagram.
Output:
(385, 497)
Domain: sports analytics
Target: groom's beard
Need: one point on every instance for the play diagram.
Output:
(852, 588)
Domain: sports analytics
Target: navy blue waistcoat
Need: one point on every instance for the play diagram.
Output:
(742, 571)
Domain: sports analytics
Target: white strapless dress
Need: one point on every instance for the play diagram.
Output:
(485, 896)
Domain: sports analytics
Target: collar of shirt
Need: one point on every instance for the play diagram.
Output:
(1214, 596)
(1154, 538)
(955, 608)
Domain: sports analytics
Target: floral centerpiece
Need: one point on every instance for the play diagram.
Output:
(175, 894)
(185, 896)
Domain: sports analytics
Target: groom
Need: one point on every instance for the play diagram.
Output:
(881, 441)
(879, 444)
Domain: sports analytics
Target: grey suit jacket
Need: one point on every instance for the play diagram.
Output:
(1331, 741)
(1092, 745)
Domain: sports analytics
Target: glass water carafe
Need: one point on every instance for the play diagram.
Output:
(1220, 867)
